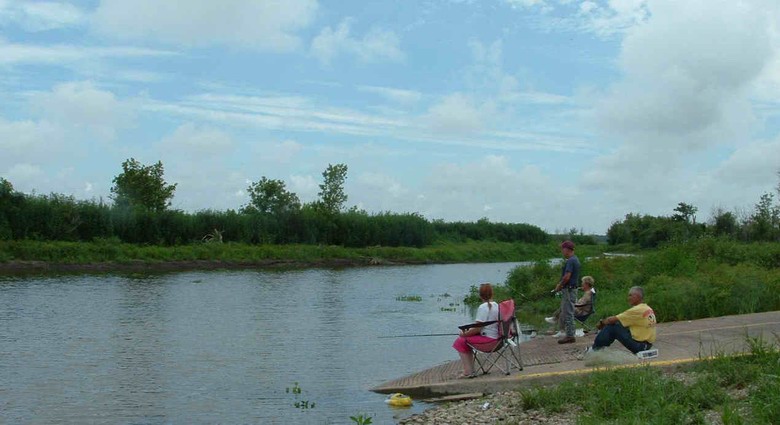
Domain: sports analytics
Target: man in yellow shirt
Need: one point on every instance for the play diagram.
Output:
(634, 328)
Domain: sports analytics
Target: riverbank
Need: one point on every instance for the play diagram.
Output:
(738, 389)
(702, 278)
(102, 256)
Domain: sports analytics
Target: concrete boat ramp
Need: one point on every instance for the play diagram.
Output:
(545, 361)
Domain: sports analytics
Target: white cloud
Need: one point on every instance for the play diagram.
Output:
(457, 114)
(296, 113)
(382, 184)
(683, 97)
(81, 104)
(305, 186)
(40, 16)
(375, 46)
(286, 150)
(755, 165)
(614, 16)
(393, 94)
(23, 137)
(526, 194)
(526, 3)
(534, 97)
(275, 153)
(203, 184)
(602, 17)
(69, 125)
(25, 177)
(587, 7)
(256, 25)
(64, 54)
(199, 142)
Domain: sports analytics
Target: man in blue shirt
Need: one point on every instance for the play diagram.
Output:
(570, 275)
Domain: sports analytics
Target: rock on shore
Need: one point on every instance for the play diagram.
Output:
(498, 408)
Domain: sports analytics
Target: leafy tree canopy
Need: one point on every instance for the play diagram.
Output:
(272, 197)
(142, 186)
(685, 212)
(332, 195)
(6, 188)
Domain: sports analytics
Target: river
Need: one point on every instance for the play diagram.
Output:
(270, 347)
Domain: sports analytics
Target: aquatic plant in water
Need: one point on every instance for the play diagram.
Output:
(299, 404)
(361, 419)
(414, 298)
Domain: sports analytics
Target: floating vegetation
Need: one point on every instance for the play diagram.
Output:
(362, 419)
(299, 404)
(296, 389)
(304, 404)
(414, 298)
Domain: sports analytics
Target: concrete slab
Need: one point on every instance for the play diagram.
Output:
(546, 361)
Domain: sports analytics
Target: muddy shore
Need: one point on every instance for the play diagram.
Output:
(137, 266)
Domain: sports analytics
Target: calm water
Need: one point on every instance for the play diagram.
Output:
(208, 347)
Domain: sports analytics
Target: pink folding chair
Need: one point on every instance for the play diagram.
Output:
(506, 347)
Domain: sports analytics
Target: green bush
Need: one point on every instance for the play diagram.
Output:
(684, 281)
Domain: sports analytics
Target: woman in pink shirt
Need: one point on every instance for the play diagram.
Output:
(486, 312)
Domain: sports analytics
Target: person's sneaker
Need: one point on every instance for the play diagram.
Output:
(559, 334)
(566, 340)
(589, 350)
(550, 320)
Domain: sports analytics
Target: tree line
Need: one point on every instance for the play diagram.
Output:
(140, 212)
(761, 224)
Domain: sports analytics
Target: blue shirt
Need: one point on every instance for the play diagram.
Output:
(572, 265)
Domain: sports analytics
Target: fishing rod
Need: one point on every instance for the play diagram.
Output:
(471, 325)
(417, 335)
(538, 297)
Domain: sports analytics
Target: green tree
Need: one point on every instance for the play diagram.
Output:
(6, 206)
(332, 196)
(6, 188)
(724, 223)
(271, 196)
(685, 213)
(142, 186)
(765, 220)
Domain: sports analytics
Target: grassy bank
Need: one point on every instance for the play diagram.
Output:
(109, 251)
(704, 278)
(735, 390)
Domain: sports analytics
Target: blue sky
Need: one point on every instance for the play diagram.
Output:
(559, 113)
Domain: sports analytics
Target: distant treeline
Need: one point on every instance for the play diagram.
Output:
(762, 224)
(63, 218)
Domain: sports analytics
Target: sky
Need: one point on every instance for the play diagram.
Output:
(558, 113)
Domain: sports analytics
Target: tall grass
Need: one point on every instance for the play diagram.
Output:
(646, 395)
(58, 217)
(692, 280)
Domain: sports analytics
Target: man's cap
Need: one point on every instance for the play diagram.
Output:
(568, 244)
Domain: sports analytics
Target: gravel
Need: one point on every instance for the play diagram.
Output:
(498, 408)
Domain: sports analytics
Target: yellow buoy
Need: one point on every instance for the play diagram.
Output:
(399, 400)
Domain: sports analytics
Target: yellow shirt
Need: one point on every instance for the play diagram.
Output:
(640, 320)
